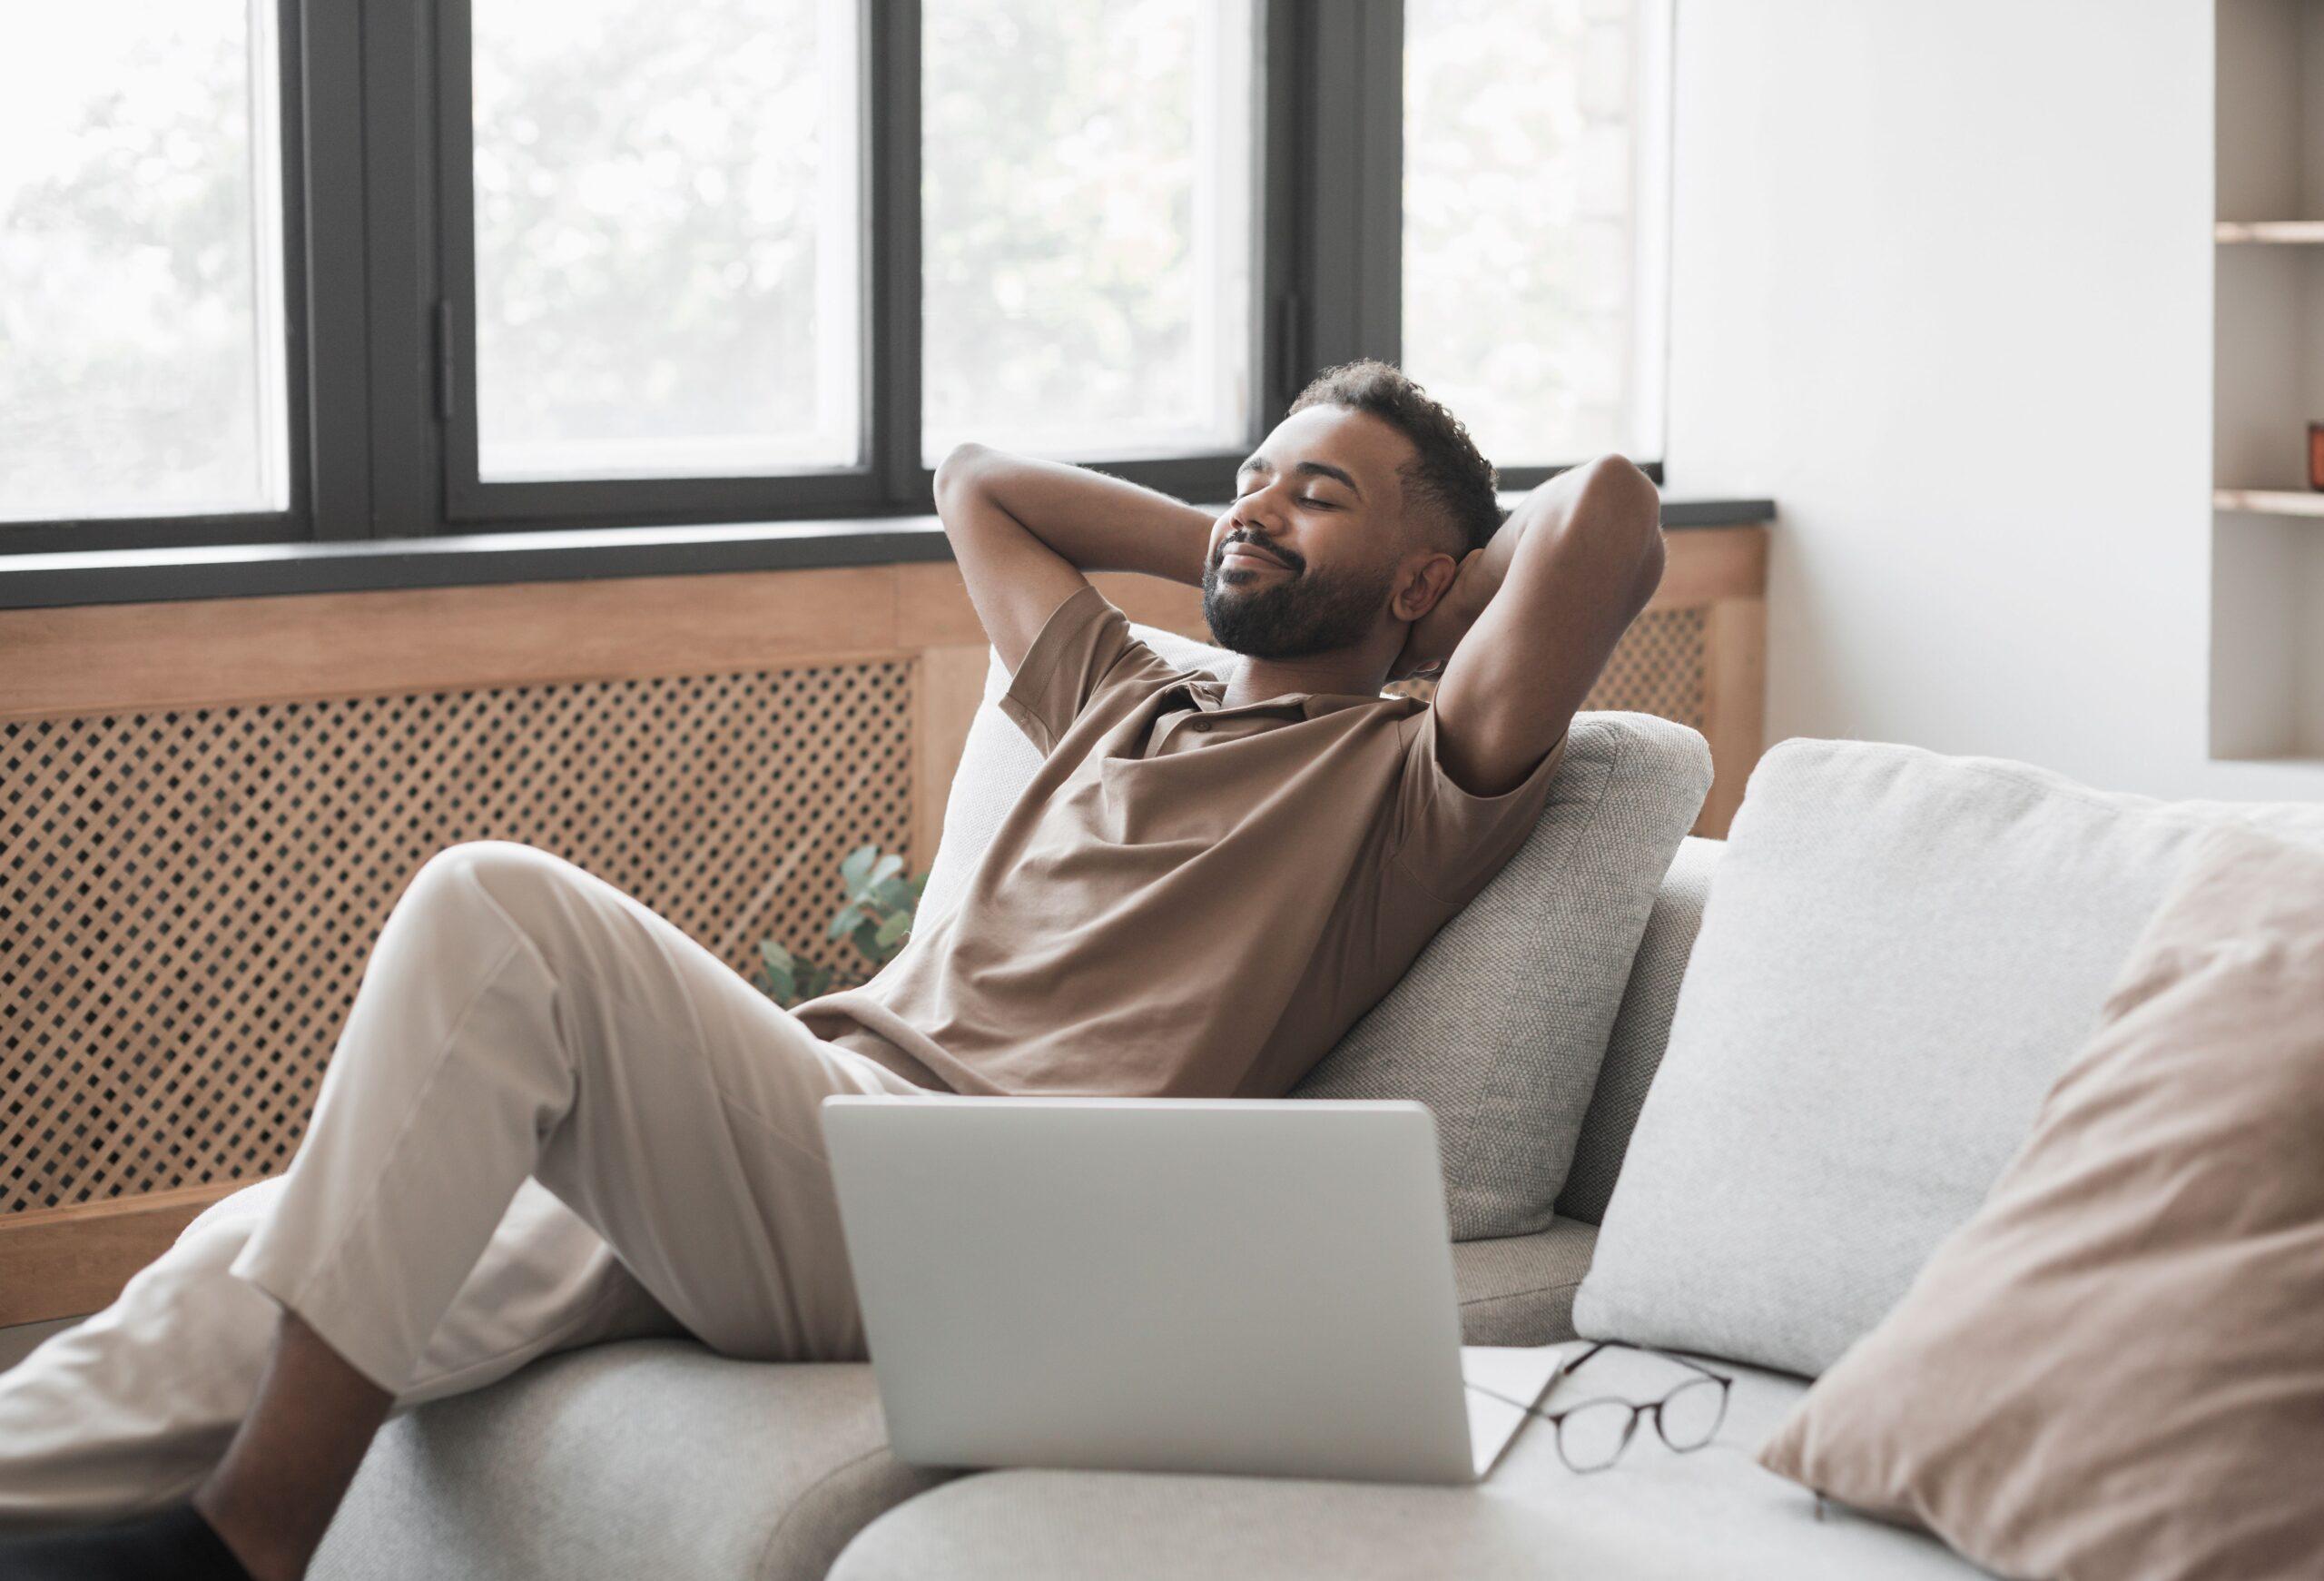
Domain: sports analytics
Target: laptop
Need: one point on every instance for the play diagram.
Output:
(1207, 1285)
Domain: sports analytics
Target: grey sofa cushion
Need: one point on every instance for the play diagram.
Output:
(1642, 1030)
(1501, 1022)
(1900, 951)
(658, 1456)
(646, 1458)
(1518, 1289)
(1655, 1517)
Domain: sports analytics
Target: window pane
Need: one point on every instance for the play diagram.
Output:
(142, 362)
(667, 215)
(1535, 145)
(1088, 200)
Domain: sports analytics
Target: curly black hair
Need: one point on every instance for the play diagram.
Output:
(1450, 481)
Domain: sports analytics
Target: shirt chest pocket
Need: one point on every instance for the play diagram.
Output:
(1176, 799)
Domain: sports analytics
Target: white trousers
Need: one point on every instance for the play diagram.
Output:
(553, 1120)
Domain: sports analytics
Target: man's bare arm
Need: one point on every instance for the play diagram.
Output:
(1096, 521)
(1543, 604)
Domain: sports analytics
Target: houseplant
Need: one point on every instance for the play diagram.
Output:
(876, 917)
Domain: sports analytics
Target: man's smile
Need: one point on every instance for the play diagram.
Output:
(1245, 555)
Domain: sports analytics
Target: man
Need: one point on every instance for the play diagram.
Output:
(555, 1119)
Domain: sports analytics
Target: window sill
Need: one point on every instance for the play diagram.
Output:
(469, 559)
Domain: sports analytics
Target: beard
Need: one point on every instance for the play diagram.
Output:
(1291, 613)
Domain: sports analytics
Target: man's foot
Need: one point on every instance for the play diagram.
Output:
(176, 1543)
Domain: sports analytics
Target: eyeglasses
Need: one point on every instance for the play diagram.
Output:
(1593, 1433)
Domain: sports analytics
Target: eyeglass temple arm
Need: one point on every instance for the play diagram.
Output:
(1521, 1405)
(1575, 1365)
(1566, 1369)
(1578, 1362)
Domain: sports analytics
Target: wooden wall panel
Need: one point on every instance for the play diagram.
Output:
(1735, 671)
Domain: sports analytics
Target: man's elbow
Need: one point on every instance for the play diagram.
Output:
(1622, 498)
(1624, 509)
(958, 463)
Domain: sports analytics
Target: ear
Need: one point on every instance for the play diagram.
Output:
(1433, 579)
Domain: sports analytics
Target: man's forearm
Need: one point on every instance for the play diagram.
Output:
(1601, 519)
(1097, 522)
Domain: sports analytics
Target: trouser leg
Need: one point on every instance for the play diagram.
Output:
(521, 1016)
(683, 1115)
(129, 1409)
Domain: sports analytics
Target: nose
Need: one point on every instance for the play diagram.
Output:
(1245, 527)
(1259, 513)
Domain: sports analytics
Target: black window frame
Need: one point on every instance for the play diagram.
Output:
(379, 239)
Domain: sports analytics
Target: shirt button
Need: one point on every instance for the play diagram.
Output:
(1202, 725)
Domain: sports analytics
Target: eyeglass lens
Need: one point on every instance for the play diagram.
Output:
(1691, 1413)
(1589, 1436)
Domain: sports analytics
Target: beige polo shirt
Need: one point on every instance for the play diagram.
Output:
(1188, 900)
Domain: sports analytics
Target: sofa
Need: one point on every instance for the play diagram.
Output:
(655, 1457)
(1831, 1031)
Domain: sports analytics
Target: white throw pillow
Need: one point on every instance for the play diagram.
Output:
(1901, 952)
(1502, 1020)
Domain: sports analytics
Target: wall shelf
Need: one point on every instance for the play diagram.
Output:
(2290, 232)
(2268, 501)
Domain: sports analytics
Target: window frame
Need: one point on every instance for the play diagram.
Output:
(380, 307)
(470, 500)
(60, 535)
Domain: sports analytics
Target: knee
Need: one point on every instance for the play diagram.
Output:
(506, 883)
(229, 1221)
(506, 869)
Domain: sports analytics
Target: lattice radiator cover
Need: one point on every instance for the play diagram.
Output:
(1658, 667)
(188, 898)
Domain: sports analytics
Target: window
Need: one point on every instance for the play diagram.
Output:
(668, 213)
(141, 360)
(283, 270)
(1534, 193)
(1089, 196)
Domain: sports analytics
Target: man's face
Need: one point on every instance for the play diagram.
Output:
(1320, 506)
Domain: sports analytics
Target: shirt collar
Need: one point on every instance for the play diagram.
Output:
(1206, 692)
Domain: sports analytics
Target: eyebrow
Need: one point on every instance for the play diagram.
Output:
(1323, 469)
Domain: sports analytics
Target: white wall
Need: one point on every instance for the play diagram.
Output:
(1941, 286)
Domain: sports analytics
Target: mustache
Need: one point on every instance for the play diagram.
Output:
(1254, 546)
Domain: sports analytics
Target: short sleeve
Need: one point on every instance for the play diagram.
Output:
(1082, 649)
(1449, 841)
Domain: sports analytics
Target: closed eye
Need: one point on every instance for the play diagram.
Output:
(1298, 498)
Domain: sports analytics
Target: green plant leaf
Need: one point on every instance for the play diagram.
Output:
(858, 863)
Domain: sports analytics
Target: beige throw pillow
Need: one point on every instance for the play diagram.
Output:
(2116, 1367)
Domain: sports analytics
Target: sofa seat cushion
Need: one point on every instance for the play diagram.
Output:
(1653, 1515)
(644, 1458)
(1518, 1289)
(658, 1456)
